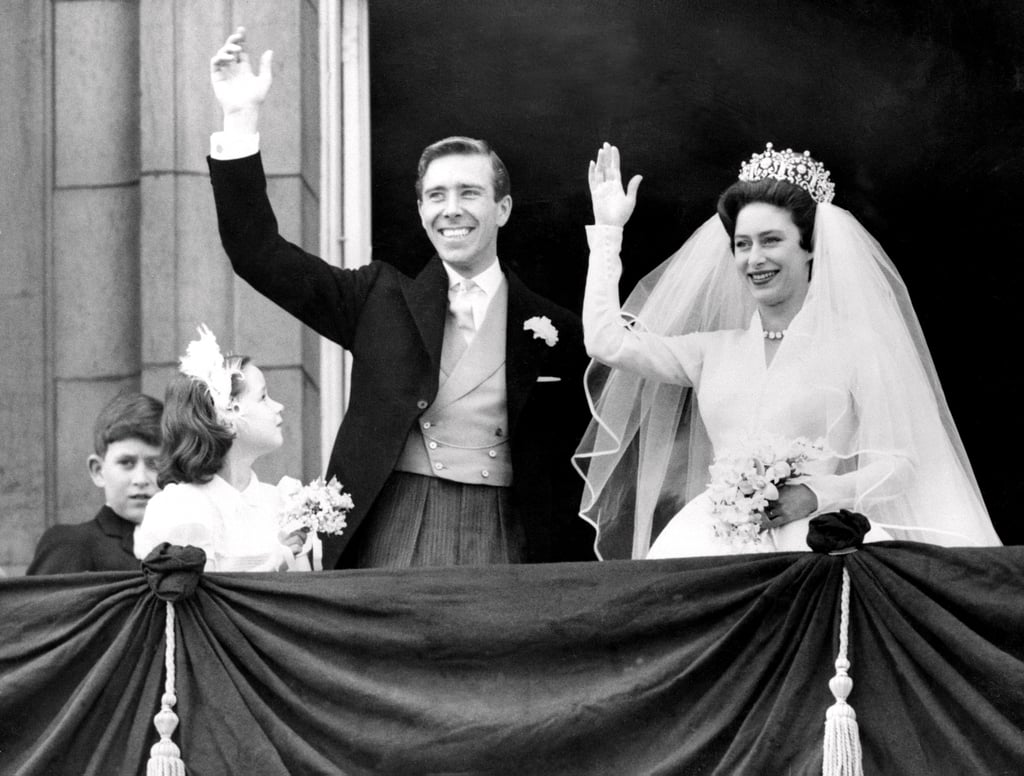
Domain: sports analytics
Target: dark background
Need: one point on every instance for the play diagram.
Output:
(916, 107)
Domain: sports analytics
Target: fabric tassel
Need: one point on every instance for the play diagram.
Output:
(165, 757)
(842, 753)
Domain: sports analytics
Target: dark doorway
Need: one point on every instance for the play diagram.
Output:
(916, 106)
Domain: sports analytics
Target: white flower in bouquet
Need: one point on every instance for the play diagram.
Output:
(319, 506)
(744, 481)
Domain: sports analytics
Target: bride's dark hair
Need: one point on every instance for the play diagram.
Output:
(195, 440)
(782, 194)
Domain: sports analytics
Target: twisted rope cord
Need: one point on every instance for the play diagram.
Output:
(841, 750)
(165, 757)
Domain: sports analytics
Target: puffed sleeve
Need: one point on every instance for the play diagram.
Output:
(181, 515)
(667, 359)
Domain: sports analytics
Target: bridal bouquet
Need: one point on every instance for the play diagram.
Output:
(319, 506)
(744, 481)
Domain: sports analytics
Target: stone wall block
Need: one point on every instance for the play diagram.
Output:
(96, 50)
(156, 377)
(96, 282)
(158, 104)
(159, 259)
(264, 331)
(204, 279)
(25, 141)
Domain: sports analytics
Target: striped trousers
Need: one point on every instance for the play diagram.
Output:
(428, 521)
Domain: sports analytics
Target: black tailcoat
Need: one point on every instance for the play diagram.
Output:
(393, 326)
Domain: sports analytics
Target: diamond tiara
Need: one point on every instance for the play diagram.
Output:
(798, 169)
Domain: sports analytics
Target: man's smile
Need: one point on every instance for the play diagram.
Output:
(455, 232)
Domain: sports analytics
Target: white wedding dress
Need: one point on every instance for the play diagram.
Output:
(689, 378)
(810, 389)
(741, 397)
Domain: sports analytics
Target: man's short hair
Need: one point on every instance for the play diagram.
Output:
(129, 415)
(465, 146)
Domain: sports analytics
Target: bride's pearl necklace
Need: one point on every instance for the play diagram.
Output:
(774, 335)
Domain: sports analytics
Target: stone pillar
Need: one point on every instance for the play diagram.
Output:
(25, 196)
(95, 290)
(108, 236)
(186, 278)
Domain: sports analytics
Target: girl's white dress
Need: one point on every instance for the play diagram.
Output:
(238, 530)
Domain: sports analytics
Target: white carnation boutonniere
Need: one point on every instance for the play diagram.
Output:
(542, 328)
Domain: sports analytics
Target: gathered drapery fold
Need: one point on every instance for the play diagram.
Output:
(696, 666)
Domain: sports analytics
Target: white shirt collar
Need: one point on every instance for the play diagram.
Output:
(224, 492)
(489, 280)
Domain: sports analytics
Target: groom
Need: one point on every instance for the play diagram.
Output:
(466, 398)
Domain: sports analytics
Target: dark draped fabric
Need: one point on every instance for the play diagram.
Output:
(695, 666)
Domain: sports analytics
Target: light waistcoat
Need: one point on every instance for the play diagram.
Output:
(463, 435)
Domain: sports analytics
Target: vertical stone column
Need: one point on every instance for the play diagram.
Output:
(95, 290)
(186, 278)
(25, 406)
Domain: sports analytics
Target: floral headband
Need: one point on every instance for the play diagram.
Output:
(204, 363)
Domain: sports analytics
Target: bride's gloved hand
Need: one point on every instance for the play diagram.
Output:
(795, 502)
(613, 205)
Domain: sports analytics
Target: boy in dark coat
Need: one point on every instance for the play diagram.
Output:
(126, 442)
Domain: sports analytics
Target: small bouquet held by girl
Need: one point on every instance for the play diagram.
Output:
(320, 506)
(745, 481)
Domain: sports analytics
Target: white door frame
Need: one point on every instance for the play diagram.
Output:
(345, 239)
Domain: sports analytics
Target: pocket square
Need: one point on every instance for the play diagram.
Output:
(544, 379)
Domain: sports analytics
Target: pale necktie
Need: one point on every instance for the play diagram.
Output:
(462, 308)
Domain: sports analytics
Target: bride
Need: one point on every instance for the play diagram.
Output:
(781, 318)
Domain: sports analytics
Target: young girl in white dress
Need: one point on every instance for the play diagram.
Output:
(780, 317)
(218, 420)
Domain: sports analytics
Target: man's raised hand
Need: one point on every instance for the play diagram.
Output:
(238, 90)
